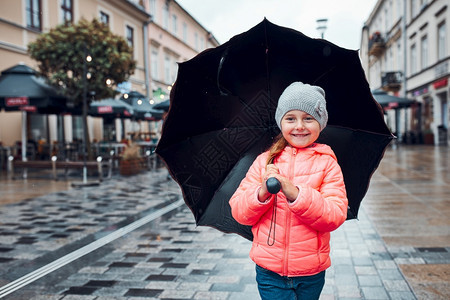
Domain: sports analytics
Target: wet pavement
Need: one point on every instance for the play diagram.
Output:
(13, 191)
(398, 249)
(409, 204)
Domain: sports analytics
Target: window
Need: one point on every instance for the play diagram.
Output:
(33, 11)
(167, 74)
(130, 36)
(390, 14)
(185, 32)
(196, 41)
(174, 71)
(154, 64)
(386, 19)
(174, 24)
(413, 59)
(400, 57)
(104, 18)
(137, 2)
(153, 9)
(166, 17)
(423, 4)
(441, 41)
(399, 9)
(77, 127)
(390, 64)
(66, 11)
(413, 8)
(424, 52)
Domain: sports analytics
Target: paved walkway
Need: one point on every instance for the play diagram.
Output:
(408, 203)
(398, 249)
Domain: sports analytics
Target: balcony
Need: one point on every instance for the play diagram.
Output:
(391, 81)
(377, 44)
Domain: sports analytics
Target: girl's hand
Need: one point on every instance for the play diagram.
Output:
(287, 187)
(271, 171)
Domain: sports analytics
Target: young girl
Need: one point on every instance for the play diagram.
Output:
(292, 228)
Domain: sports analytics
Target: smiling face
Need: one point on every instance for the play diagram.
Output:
(299, 128)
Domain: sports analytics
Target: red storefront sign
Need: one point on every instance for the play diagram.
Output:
(28, 108)
(104, 109)
(393, 104)
(16, 101)
(440, 83)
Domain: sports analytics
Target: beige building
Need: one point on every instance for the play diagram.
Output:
(175, 36)
(161, 32)
(405, 51)
(22, 21)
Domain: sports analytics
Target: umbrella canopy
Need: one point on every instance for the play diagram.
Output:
(142, 107)
(389, 101)
(164, 105)
(111, 108)
(22, 89)
(222, 116)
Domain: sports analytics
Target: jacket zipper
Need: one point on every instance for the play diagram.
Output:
(288, 218)
(319, 245)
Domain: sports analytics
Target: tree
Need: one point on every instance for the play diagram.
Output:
(61, 54)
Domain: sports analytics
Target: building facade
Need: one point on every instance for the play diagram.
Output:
(405, 51)
(175, 36)
(161, 33)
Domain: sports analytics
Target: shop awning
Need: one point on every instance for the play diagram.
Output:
(389, 101)
(21, 89)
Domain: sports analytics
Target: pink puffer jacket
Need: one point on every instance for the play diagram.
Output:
(302, 228)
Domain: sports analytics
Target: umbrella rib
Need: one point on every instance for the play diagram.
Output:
(391, 136)
(226, 92)
(267, 61)
(324, 74)
(245, 104)
(222, 59)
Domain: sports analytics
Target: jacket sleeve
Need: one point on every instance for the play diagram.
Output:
(324, 209)
(245, 206)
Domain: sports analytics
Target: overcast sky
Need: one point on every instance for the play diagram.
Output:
(226, 18)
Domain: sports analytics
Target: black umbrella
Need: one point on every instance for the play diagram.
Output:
(22, 89)
(389, 101)
(223, 107)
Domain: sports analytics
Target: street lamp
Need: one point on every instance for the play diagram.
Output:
(86, 58)
(322, 26)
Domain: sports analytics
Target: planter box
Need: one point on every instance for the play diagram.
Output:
(130, 166)
(428, 139)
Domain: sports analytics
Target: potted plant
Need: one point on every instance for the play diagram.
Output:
(428, 137)
(131, 161)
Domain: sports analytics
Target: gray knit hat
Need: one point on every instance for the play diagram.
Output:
(304, 97)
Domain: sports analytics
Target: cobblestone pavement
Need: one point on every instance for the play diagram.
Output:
(398, 249)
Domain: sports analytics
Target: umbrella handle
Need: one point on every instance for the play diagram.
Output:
(273, 185)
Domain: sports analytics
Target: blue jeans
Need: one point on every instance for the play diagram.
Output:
(273, 286)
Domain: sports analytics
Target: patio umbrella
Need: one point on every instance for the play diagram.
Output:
(222, 116)
(164, 105)
(142, 107)
(386, 100)
(111, 108)
(21, 89)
